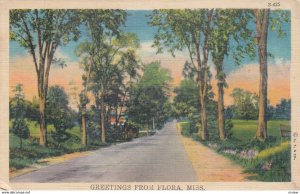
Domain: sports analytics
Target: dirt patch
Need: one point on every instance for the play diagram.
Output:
(46, 162)
(209, 165)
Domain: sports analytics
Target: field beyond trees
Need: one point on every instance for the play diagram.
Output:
(245, 130)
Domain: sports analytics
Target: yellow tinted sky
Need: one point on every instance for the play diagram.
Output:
(246, 77)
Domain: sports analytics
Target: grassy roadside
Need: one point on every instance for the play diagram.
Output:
(32, 156)
(268, 161)
(32, 153)
(45, 162)
(203, 160)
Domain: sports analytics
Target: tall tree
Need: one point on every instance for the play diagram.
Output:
(41, 32)
(149, 97)
(263, 21)
(228, 25)
(188, 30)
(97, 22)
(106, 56)
(128, 75)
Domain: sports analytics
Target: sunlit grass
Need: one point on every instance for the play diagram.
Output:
(245, 130)
(274, 150)
(34, 129)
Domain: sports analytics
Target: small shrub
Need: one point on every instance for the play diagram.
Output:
(274, 167)
(196, 137)
(185, 129)
(18, 164)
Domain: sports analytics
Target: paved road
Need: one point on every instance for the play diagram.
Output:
(158, 158)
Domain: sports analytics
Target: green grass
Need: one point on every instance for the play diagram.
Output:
(29, 154)
(35, 129)
(32, 152)
(245, 130)
(275, 151)
(14, 141)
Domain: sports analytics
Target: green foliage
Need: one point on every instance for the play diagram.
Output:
(278, 17)
(230, 25)
(273, 166)
(228, 128)
(186, 105)
(155, 75)
(149, 97)
(32, 152)
(58, 113)
(201, 32)
(83, 99)
(245, 104)
(32, 110)
(20, 128)
(186, 101)
(93, 124)
(41, 32)
(32, 27)
(176, 28)
(281, 110)
(110, 66)
(20, 158)
(100, 21)
(186, 129)
(35, 131)
(18, 110)
(65, 25)
(115, 133)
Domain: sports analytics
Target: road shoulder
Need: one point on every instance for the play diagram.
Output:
(42, 163)
(210, 166)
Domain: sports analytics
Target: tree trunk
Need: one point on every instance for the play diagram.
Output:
(21, 139)
(102, 115)
(43, 78)
(220, 111)
(117, 116)
(204, 132)
(262, 35)
(42, 107)
(84, 136)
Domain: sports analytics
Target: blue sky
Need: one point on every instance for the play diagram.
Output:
(137, 22)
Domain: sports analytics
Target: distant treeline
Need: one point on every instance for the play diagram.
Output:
(246, 107)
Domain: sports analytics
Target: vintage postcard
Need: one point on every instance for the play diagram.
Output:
(150, 95)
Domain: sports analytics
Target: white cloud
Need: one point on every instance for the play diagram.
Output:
(146, 51)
